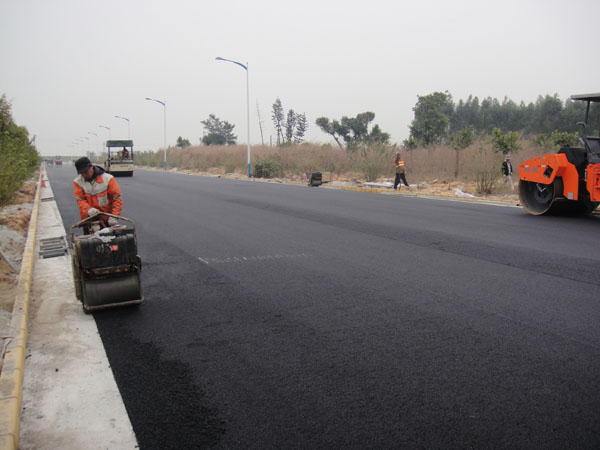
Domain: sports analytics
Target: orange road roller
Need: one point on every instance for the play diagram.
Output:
(567, 182)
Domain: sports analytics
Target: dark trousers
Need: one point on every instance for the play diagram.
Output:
(397, 180)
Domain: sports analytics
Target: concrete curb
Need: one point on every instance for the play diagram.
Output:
(11, 379)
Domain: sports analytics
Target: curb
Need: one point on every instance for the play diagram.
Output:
(11, 379)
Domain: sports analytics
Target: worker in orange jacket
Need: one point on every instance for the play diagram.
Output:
(400, 171)
(96, 191)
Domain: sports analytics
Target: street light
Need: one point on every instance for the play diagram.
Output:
(165, 130)
(245, 67)
(88, 142)
(108, 128)
(128, 125)
(89, 132)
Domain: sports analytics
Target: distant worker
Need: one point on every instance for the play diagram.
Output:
(400, 171)
(96, 191)
(124, 153)
(507, 171)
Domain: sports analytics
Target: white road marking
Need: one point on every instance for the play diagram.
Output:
(244, 259)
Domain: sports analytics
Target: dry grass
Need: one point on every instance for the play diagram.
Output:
(423, 165)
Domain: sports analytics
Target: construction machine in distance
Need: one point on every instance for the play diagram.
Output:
(119, 162)
(567, 182)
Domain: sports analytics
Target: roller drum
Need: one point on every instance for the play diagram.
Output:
(101, 293)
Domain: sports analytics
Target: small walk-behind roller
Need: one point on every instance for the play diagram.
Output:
(106, 266)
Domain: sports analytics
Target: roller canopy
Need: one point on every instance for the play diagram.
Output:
(587, 97)
(130, 143)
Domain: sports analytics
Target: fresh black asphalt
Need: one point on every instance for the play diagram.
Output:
(287, 317)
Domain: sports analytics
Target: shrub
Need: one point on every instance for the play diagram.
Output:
(268, 167)
(484, 169)
(375, 160)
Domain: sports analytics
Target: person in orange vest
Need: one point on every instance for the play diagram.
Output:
(96, 191)
(400, 171)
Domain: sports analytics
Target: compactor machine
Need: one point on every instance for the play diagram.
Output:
(567, 182)
(120, 160)
(106, 266)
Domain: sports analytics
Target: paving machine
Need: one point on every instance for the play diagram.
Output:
(106, 266)
(567, 182)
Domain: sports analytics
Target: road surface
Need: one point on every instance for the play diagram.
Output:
(282, 316)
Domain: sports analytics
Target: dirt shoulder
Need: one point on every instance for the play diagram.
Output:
(14, 224)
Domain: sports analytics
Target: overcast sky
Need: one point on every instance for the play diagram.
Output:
(68, 66)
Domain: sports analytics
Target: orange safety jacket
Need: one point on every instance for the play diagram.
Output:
(400, 166)
(102, 193)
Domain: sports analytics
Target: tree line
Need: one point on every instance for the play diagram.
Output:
(438, 118)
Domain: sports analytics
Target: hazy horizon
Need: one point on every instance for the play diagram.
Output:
(69, 67)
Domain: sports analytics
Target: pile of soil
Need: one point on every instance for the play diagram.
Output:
(14, 224)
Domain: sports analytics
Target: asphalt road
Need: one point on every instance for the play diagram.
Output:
(284, 317)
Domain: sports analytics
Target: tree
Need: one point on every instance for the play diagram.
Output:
(354, 130)
(334, 129)
(182, 143)
(301, 127)
(460, 140)
(290, 126)
(278, 118)
(218, 132)
(432, 118)
(505, 142)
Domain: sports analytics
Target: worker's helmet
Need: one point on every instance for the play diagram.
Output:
(83, 164)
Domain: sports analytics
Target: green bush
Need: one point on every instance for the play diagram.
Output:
(564, 139)
(268, 167)
(18, 157)
(505, 142)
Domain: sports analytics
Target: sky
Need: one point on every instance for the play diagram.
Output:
(69, 67)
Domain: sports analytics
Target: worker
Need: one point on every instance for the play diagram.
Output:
(400, 171)
(507, 171)
(125, 153)
(96, 191)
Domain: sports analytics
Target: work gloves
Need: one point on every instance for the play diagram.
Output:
(93, 212)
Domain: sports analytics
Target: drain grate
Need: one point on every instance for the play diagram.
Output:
(47, 199)
(52, 247)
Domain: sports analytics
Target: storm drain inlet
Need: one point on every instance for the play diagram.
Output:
(52, 247)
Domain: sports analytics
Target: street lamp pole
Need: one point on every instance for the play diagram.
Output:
(164, 103)
(108, 128)
(245, 67)
(89, 132)
(88, 142)
(128, 125)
